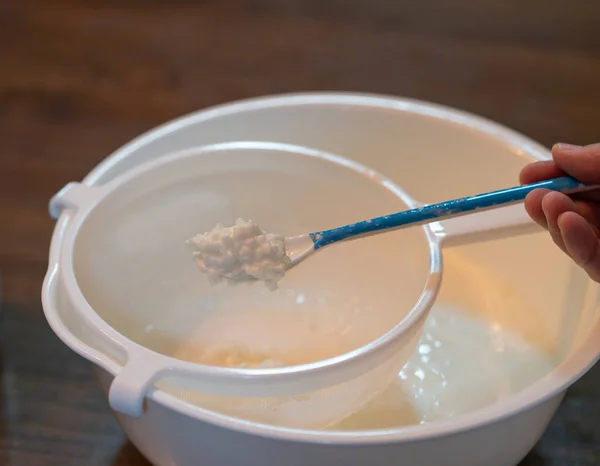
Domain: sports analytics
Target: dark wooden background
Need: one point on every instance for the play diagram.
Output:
(80, 78)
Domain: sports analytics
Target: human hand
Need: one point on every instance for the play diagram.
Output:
(573, 222)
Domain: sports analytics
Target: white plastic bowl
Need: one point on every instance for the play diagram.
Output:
(407, 141)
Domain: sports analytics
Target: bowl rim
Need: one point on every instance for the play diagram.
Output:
(550, 386)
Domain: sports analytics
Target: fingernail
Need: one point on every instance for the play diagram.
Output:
(565, 146)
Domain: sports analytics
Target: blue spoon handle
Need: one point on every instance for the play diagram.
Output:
(447, 209)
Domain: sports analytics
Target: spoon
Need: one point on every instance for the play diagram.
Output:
(298, 248)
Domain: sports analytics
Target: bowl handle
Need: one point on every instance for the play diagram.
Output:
(131, 384)
(73, 196)
(492, 224)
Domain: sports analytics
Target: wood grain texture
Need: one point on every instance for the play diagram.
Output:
(80, 78)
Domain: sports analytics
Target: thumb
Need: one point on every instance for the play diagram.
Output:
(581, 162)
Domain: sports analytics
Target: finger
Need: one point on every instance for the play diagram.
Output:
(581, 243)
(533, 206)
(593, 196)
(582, 163)
(539, 171)
(589, 211)
(555, 204)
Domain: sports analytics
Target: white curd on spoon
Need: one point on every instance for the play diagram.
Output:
(241, 253)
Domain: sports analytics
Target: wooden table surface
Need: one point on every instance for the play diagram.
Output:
(80, 78)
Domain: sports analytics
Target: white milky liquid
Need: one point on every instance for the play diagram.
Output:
(481, 343)
(464, 360)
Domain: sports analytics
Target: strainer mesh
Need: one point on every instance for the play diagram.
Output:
(316, 409)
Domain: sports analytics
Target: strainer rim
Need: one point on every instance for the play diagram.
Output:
(75, 294)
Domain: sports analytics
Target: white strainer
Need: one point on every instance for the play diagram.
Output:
(342, 324)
